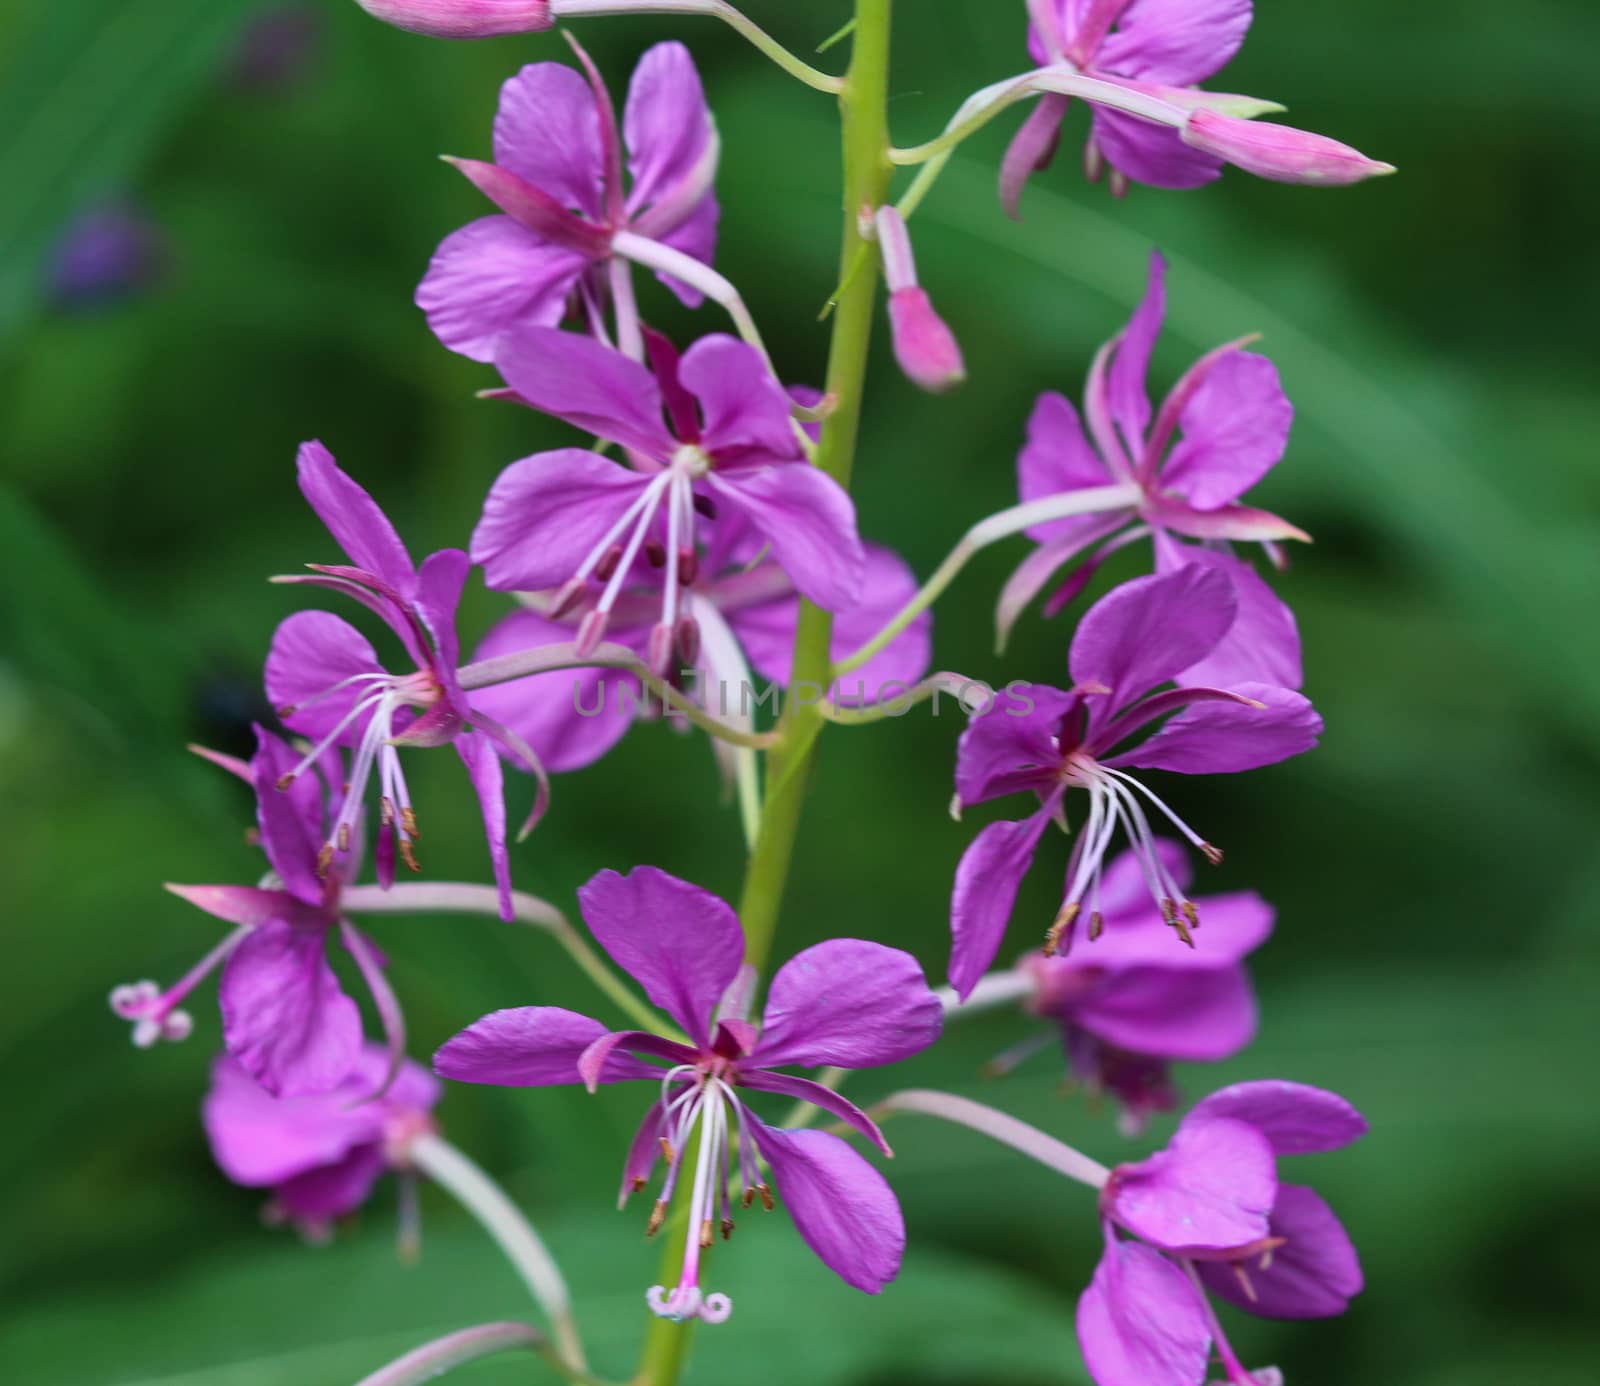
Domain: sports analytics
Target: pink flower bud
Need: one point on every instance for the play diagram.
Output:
(923, 345)
(462, 19)
(1279, 152)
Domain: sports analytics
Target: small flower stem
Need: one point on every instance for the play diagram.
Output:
(714, 9)
(1031, 1141)
(958, 686)
(445, 897)
(863, 99)
(1093, 500)
(663, 259)
(993, 990)
(471, 1345)
(487, 1202)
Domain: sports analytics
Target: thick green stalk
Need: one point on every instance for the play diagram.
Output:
(866, 182)
(864, 107)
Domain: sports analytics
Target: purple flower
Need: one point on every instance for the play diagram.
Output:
(105, 254)
(1210, 1214)
(285, 1018)
(1160, 51)
(1049, 742)
(327, 683)
(557, 179)
(567, 518)
(1129, 1004)
(1231, 421)
(320, 1155)
(276, 47)
(743, 619)
(845, 1002)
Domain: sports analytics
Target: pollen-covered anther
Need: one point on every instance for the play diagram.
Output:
(1058, 930)
(283, 782)
(408, 821)
(1191, 914)
(608, 563)
(707, 1236)
(658, 1215)
(687, 639)
(764, 1192)
(324, 860)
(656, 552)
(408, 854)
(1097, 925)
(344, 837)
(385, 811)
(1212, 854)
(747, 1198)
(688, 566)
(667, 1152)
(727, 1228)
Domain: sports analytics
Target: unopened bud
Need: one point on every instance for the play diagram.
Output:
(462, 19)
(923, 344)
(1279, 152)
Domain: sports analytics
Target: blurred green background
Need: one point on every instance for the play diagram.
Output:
(1433, 862)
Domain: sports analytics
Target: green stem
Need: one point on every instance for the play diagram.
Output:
(866, 181)
(864, 107)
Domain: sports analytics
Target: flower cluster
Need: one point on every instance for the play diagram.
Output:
(695, 532)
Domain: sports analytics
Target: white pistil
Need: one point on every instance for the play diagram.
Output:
(706, 1104)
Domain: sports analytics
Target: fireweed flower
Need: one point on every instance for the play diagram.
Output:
(1231, 421)
(327, 683)
(744, 617)
(285, 1018)
(569, 518)
(320, 1155)
(846, 1002)
(1050, 742)
(1159, 51)
(1210, 1214)
(557, 179)
(1128, 1004)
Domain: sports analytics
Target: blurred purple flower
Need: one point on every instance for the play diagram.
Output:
(276, 47)
(1211, 1215)
(559, 519)
(846, 1002)
(327, 684)
(1047, 742)
(321, 1154)
(104, 254)
(1231, 420)
(557, 179)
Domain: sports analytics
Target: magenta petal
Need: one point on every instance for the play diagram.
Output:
(1234, 926)
(259, 1139)
(1314, 1275)
(696, 237)
(530, 1047)
(1130, 404)
(594, 1064)
(353, 518)
(1235, 428)
(1263, 643)
(588, 384)
(745, 412)
(1016, 732)
(478, 754)
(440, 582)
(1058, 458)
(665, 124)
(680, 943)
(242, 904)
(1210, 1189)
(1147, 631)
(810, 522)
(987, 879)
(1295, 1118)
(545, 514)
(1189, 1014)
(1176, 42)
(312, 651)
(289, 820)
(492, 275)
(842, 1207)
(1140, 1322)
(1154, 155)
(1035, 571)
(1031, 149)
(547, 130)
(332, 1191)
(643, 1152)
(284, 1015)
(1219, 738)
(824, 1098)
(850, 1003)
(570, 718)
